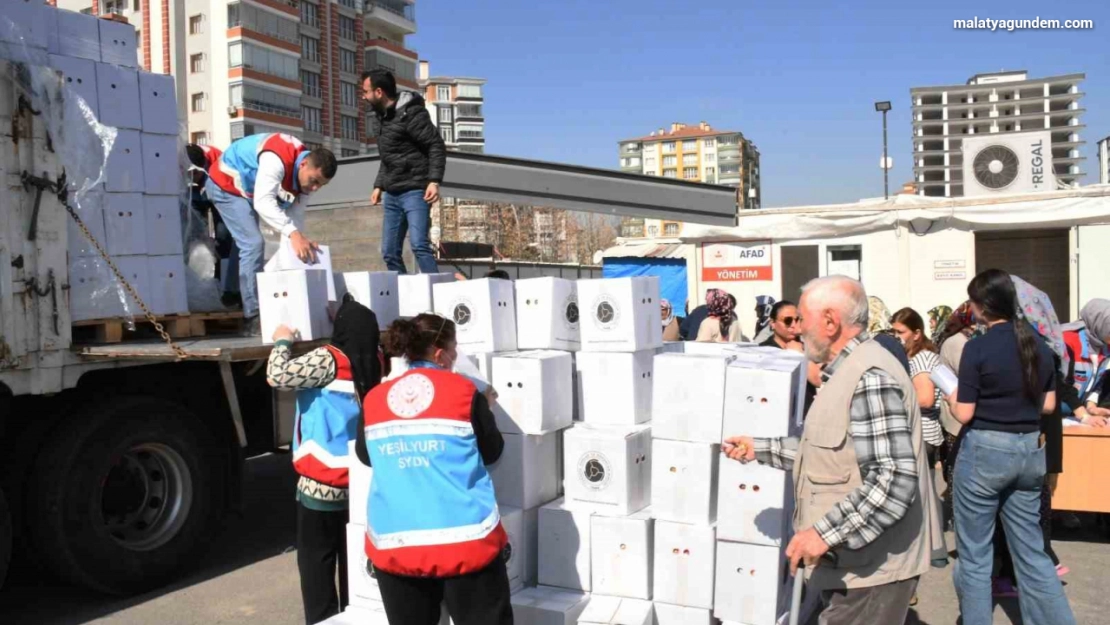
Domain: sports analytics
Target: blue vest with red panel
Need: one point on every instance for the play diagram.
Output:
(237, 169)
(327, 418)
(431, 510)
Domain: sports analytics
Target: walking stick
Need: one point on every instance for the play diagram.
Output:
(796, 598)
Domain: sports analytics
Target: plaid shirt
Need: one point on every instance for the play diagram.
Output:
(880, 431)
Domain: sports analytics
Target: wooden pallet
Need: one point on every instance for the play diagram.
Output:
(114, 330)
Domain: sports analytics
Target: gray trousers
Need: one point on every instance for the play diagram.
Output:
(882, 605)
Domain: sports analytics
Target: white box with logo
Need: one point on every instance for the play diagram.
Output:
(684, 564)
(125, 162)
(90, 207)
(765, 394)
(547, 314)
(286, 259)
(118, 44)
(534, 391)
(161, 173)
(168, 293)
(684, 481)
(117, 92)
(520, 554)
(620, 314)
(671, 347)
(92, 290)
(125, 224)
(376, 290)
(415, 291)
(136, 271)
(754, 503)
(615, 388)
(688, 397)
(158, 103)
(525, 475)
(564, 547)
(666, 614)
(79, 77)
(296, 298)
(607, 470)
(78, 35)
(26, 24)
(695, 348)
(605, 610)
(750, 584)
(162, 214)
(362, 585)
(358, 490)
(620, 554)
(548, 606)
(483, 312)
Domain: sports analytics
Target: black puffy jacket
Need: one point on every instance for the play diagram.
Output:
(412, 150)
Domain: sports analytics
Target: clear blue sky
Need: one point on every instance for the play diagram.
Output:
(568, 79)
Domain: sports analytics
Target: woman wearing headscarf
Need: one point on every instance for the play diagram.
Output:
(763, 318)
(330, 382)
(1089, 359)
(937, 317)
(880, 328)
(720, 326)
(670, 321)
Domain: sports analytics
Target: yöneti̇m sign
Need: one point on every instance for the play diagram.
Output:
(736, 261)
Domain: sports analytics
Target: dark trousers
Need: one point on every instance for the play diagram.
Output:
(321, 556)
(888, 603)
(480, 598)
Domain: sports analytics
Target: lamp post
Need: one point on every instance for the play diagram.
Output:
(883, 107)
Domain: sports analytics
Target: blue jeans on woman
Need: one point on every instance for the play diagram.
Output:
(1000, 474)
(407, 212)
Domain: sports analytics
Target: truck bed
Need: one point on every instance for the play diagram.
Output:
(226, 349)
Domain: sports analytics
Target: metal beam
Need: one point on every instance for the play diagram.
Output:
(537, 183)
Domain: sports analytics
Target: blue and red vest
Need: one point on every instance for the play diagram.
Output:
(431, 511)
(211, 155)
(1090, 367)
(237, 169)
(327, 418)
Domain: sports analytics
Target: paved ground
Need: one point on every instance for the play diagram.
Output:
(250, 576)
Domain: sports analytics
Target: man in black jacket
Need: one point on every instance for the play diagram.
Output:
(412, 164)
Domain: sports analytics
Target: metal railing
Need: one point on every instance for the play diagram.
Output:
(264, 107)
(397, 7)
(294, 38)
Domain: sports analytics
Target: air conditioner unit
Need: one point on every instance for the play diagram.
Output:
(1008, 163)
(232, 111)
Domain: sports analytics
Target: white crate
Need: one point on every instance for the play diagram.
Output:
(615, 388)
(161, 173)
(564, 547)
(547, 314)
(750, 584)
(525, 475)
(92, 290)
(666, 614)
(125, 224)
(754, 503)
(415, 291)
(285, 259)
(684, 561)
(362, 585)
(671, 347)
(168, 293)
(118, 44)
(91, 209)
(162, 214)
(358, 486)
(620, 314)
(620, 555)
(137, 273)
(684, 481)
(79, 77)
(25, 24)
(296, 298)
(765, 395)
(483, 312)
(125, 163)
(605, 610)
(520, 554)
(376, 290)
(78, 35)
(548, 606)
(534, 391)
(607, 469)
(117, 90)
(158, 103)
(688, 397)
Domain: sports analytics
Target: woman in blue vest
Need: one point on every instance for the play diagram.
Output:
(433, 532)
(329, 382)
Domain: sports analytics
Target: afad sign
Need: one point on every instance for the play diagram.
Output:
(736, 261)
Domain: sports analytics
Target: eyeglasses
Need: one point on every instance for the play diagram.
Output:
(789, 321)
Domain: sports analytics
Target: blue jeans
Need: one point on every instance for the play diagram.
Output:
(241, 220)
(998, 473)
(407, 211)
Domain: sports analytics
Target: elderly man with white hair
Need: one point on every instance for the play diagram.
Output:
(867, 513)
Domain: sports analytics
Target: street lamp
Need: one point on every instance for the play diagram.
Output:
(883, 107)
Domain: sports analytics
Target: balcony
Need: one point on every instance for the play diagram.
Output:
(385, 44)
(397, 14)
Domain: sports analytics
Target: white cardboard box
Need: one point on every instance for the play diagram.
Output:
(168, 293)
(671, 347)
(79, 76)
(712, 349)
(161, 174)
(483, 312)
(605, 610)
(118, 44)
(525, 476)
(548, 606)
(684, 564)
(534, 391)
(286, 259)
(362, 585)
(117, 91)
(415, 292)
(615, 388)
(125, 224)
(684, 481)
(90, 207)
(359, 476)
(607, 469)
(376, 290)
(620, 555)
(163, 224)
(564, 547)
(29, 22)
(78, 35)
(620, 314)
(158, 103)
(92, 290)
(521, 553)
(547, 314)
(751, 580)
(688, 397)
(754, 503)
(666, 614)
(764, 396)
(137, 274)
(125, 163)
(296, 298)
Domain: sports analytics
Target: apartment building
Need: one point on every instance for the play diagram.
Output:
(249, 66)
(1003, 102)
(455, 104)
(1104, 161)
(698, 153)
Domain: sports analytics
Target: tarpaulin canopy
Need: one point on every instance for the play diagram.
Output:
(671, 272)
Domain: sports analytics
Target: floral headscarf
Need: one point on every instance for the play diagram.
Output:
(1036, 308)
(720, 306)
(937, 317)
(878, 316)
(665, 305)
(961, 320)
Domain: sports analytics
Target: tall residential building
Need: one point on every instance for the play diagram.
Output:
(250, 66)
(1104, 161)
(1004, 102)
(696, 154)
(455, 104)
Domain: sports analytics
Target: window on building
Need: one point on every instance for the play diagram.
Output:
(469, 131)
(709, 143)
(312, 145)
(649, 162)
(199, 104)
(470, 91)
(730, 169)
(346, 28)
(668, 146)
(728, 140)
(470, 110)
(402, 68)
(690, 173)
(670, 161)
(310, 14)
(199, 138)
(690, 145)
(443, 93)
(348, 93)
(310, 48)
(348, 152)
(350, 4)
(196, 63)
(670, 173)
(258, 98)
(448, 134)
(689, 159)
(349, 127)
(135, 5)
(445, 115)
(310, 83)
(196, 25)
(262, 21)
(347, 61)
(709, 158)
(651, 172)
(710, 174)
(311, 117)
(263, 60)
(670, 229)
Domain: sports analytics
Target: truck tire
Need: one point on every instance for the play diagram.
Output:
(5, 538)
(126, 494)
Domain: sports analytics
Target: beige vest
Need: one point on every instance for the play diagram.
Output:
(950, 354)
(826, 471)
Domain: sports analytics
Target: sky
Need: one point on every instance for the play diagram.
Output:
(569, 79)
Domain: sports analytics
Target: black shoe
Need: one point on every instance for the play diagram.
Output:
(231, 300)
(252, 326)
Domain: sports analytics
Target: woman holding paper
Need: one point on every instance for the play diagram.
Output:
(910, 329)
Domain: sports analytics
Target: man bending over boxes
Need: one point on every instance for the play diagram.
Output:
(267, 176)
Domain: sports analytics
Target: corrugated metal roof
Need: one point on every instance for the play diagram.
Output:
(646, 250)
